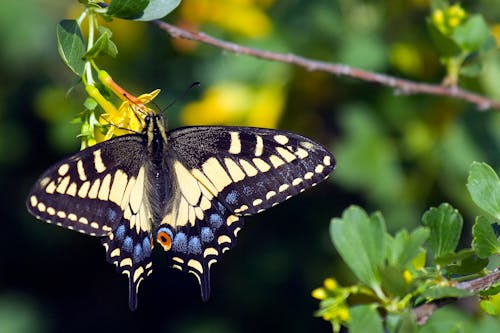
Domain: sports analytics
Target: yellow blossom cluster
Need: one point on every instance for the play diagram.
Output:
(333, 305)
(447, 20)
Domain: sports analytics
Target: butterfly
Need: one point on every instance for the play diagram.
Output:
(186, 190)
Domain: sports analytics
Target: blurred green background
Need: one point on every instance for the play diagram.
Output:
(395, 153)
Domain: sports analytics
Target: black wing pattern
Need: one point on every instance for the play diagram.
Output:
(224, 173)
(100, 192)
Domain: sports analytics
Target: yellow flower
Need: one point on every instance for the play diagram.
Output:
(495, 31)
(129, 117)
(126, 119)
(232, 103)
(319, 294)
(407, 276)
(330, 284)
(446, 21)
(244, 17)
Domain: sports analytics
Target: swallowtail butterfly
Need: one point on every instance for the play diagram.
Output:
(187, 190)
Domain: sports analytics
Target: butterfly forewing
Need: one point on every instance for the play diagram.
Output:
(251, 169)
(85, 192)
(100, 191)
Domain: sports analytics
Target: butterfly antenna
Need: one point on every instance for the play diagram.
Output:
(184, 93)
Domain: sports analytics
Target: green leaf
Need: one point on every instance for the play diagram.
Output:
(90, 103)
(103, 44)
(471, 264)
(446, 46)
(360, 241)
(438, 292)
(401, 323)
(449, 320)
(127, 9)
(70, 45)
(393, 282)
(484, 241)
(404, 247)
(445, 224)
(158, 9)
(484, 187)
(365, 317)
(490, 307)
(455, 257)
(472, 34)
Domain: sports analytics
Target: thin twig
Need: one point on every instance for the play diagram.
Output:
(402, 86)
(423, 312)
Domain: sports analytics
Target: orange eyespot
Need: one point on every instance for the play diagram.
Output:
(165, 240)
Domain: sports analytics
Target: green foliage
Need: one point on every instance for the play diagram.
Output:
(484, 187)
(461, 39)
(127, 9)
(70, 45)
(363, 316)
(103, 45)
(156, 9)
(392, 272)
(445, 224)
(141, 10)
(360, 241)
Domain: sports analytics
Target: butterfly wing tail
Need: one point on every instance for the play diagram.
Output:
(130, 252)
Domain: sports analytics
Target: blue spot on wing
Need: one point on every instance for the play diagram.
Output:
(127, 244)
(221, 207)
(120, 232)
(112, 215)
(146, 246)
(180, 242)
(206, 234)
(194, 245)
(216, 221)
(137, 256)
(232, 198)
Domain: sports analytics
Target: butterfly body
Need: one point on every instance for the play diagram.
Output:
(186, 190)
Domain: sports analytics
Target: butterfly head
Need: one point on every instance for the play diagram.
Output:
(155, 131)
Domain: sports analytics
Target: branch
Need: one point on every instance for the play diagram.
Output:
(402, 86)
(423, 312)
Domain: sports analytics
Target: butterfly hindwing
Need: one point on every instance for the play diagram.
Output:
(130, 251)
(222, 173)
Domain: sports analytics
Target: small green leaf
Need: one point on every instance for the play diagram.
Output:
(470, 265)
(103, 44)
(404, 247)
(70, 45)
(393, 282)
(447, 319)
(360, 241)
(445, 224)
(490, 307)
(484, 187)
(401, 323)
(485, 242)
(446, 46)
(365, 317)
(158, 9)
(472, 34)
(127, 9)
(438, 292)
(455, 257)
(90, 103)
